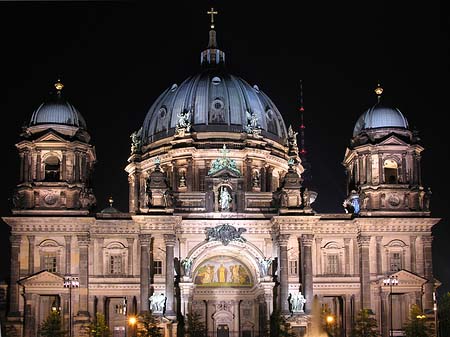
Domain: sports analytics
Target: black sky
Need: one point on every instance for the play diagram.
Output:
(115, 58)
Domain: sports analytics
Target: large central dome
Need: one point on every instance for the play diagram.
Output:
(218, 101)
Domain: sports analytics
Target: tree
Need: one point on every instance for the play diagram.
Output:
(148, 326)
(365, 325)
(52, 326)
(279, 327)
(99, 328)
(416, 326)
(195, 326)
(444, 315)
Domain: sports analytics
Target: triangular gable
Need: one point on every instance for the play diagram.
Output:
(405, 279)
(393, 140)
(43, 279)
(225, 171)
(50, 137)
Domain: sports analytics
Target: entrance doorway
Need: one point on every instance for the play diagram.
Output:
(223, 330)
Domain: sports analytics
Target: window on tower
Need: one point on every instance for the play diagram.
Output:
(293, 267)
(390, 168)
(52, 168)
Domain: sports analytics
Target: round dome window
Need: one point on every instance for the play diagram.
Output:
(217, 104)
(162, 112)
(216, 80)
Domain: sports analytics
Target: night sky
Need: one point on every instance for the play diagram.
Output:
(115, 58)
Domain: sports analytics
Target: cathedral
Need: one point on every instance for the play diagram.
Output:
(220, 221)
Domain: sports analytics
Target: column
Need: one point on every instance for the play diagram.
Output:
(248, 174)
(379, 260)
(76, 166)
(190, 175)
(263, 179)
(26, 167)
(100, 268)
(83, 246)
(38, 167)
(169, 240)
(412, 244)
(348, 314)
(68, 239)
(428, 288)
(64, 166)
(380, 169)
(269, 178)
(318, 256)
(384, 324)
(284, 284)
(130, 242)
(144, 241)
(347, 255)
(29, 328)
(15, 275)
(30, 254)
(65, 311)
(22, 167)
(364, 270)
(404, 171)
(307, 270)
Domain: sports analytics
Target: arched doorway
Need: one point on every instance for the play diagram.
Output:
(227, 289)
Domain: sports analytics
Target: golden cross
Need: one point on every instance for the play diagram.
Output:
(212, 12)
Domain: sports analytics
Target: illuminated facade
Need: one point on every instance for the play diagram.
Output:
(219, 222)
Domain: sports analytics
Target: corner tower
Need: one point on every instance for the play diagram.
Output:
(56, 161)
(383, 165)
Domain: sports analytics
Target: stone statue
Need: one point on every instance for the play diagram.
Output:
(292, 136)
(306, 198)
(186, 263)
(351, 204)
(136, 141)
(421, 198)
(169, 199)
(225, 199)
(427, 197)
(252, 123)
(264, 265)
(157, 302)
(184, 121)
(297, 301)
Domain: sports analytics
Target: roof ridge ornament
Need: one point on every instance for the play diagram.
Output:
(59, 87)
(379, 91)
(212, 55)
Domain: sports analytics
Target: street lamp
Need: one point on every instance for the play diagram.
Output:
(132, 320)
(71, 282)
(391, 281)
(330, 321)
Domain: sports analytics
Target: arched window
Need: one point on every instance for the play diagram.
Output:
(50, 256)
(390, 168)
(395, 255)
(52, 168)
(116, 258)
(333, 258)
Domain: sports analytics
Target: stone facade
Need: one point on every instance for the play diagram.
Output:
(182, 247)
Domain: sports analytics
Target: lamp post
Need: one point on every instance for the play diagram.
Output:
(132, 320)
(391, 281)
(71, 282)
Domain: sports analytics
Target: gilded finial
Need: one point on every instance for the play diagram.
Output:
(110, 200)
(212, 12)
(379, 91)
(58, 85)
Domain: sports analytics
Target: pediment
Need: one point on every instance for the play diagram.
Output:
(406, 279)
(50, 137)
(392, 140)
(225, 172)
(43, 279)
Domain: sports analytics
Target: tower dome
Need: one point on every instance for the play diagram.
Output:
(217, 101)
(58, 111)
(380, 116)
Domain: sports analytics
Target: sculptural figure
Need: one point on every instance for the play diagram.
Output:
(157, 302)
(225, 199)
(297, 301)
